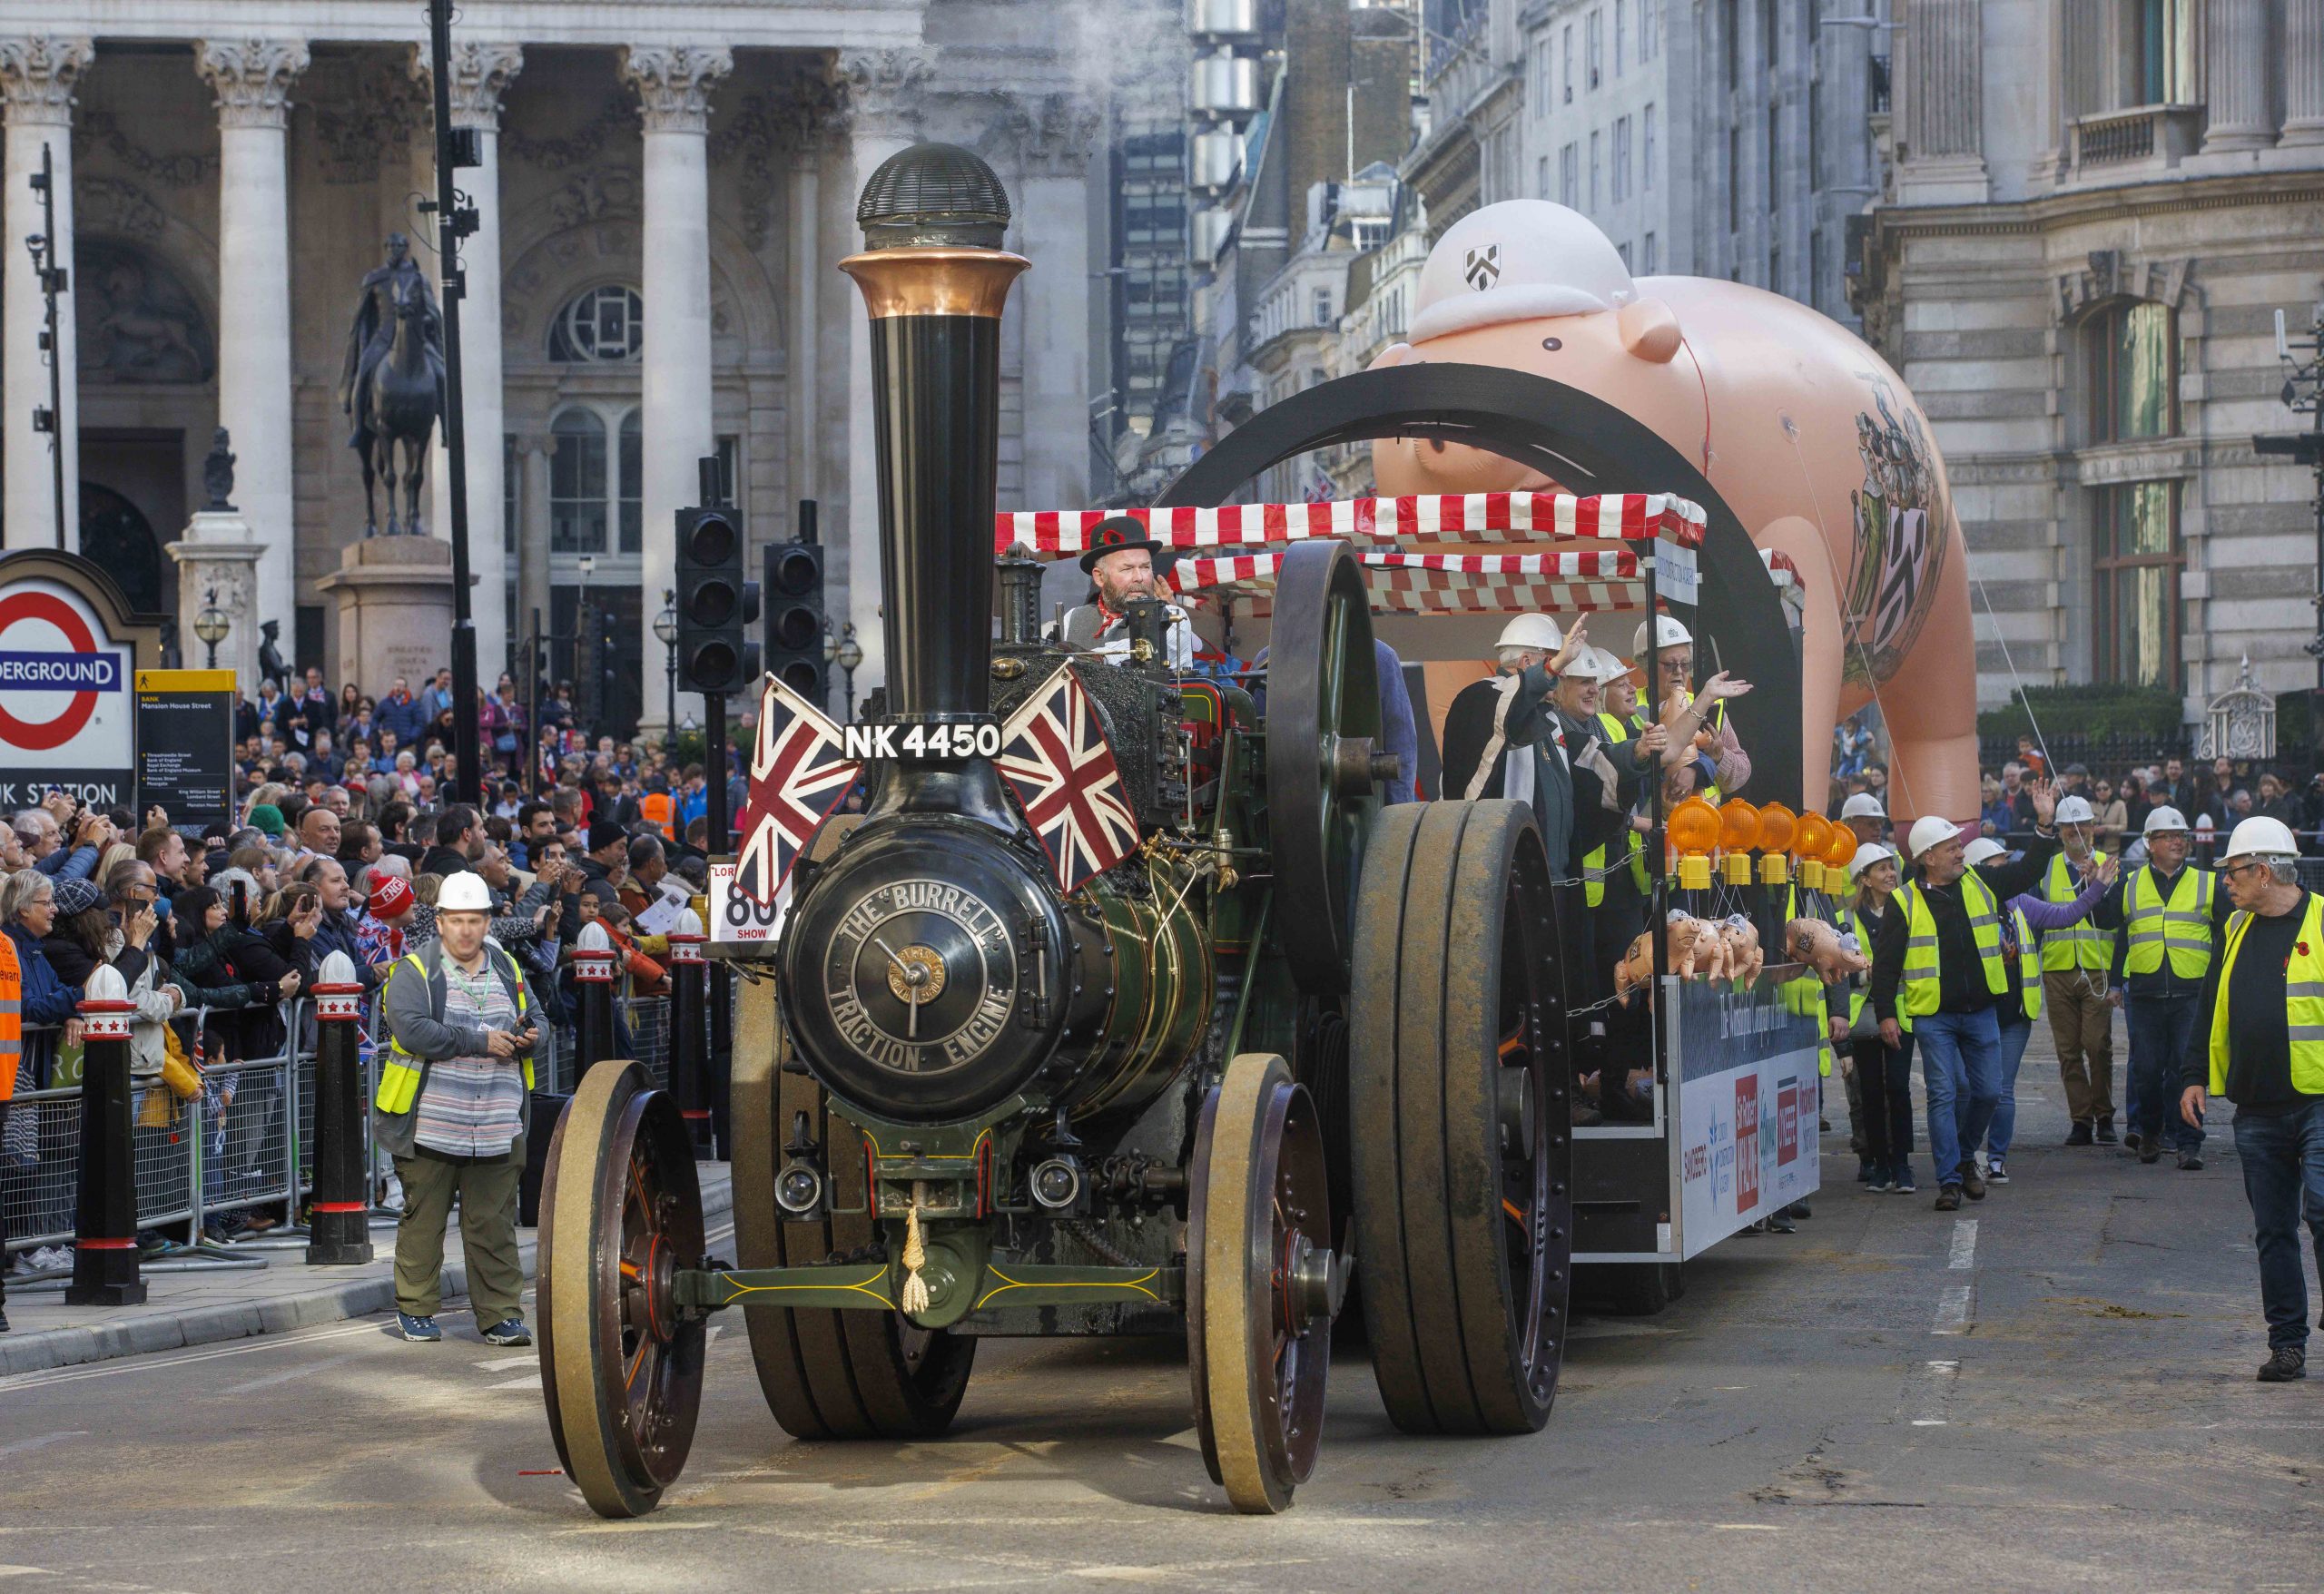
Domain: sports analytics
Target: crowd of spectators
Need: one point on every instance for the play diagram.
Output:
(339, 839)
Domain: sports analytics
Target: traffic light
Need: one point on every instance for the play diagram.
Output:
(795, 619)
(715, 604)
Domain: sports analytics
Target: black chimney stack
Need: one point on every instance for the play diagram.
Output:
(935, 279)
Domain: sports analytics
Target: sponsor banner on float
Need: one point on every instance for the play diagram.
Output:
(739, 920)
(1747, 1109)
(67, 712)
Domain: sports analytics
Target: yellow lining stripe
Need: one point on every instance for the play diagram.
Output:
(1138, 1284)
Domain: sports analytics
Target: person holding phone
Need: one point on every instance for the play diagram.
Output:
(450, 1109)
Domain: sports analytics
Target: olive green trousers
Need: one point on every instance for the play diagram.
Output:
(486, 1188)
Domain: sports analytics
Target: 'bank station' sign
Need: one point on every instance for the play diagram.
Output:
(67, 713)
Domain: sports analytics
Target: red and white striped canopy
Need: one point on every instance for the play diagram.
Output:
(1469, 517)
(1578, 559)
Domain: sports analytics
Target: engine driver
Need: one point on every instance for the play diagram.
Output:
(1121, 566)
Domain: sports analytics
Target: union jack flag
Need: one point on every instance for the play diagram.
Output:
(797, 779)
(1057, 762)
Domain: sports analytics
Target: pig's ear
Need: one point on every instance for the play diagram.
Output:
(1649, 330)
(1396, 354)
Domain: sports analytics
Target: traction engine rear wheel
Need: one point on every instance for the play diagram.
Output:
(825, 1374)
(621, 1367)
(1261, 1284)
(1462, 1172)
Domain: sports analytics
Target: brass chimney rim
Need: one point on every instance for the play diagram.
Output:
(926, 282)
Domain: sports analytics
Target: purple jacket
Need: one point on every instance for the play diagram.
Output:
(2047, 915)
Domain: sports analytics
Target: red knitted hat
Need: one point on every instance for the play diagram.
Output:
(390, 897)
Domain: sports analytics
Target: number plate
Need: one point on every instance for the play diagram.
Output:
(910, 742)
(738, 920)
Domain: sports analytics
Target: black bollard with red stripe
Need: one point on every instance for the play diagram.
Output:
(689, 1031)
(104, 1228)
(339, 1232)
(593, 984)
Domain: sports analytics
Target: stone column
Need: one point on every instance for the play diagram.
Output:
(674, 83)
(886, 91)
(2235, 77)
(252, 79)
(2303, 73)
(37, 76)
(1056, 143)
(217, 554)
(481, 74)
(1940, 105)
(533, 450)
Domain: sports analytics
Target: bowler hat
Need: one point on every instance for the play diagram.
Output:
(1117, 534)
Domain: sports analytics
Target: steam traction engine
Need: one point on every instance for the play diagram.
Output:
(1044, 1053)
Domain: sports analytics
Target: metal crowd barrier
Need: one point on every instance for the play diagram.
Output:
(245, 1141)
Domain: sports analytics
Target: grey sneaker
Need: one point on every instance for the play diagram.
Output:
(2284, 1364)
(419, 1330)
(508, 1331)
(1996, 1172)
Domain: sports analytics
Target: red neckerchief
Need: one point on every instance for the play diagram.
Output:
(1107, 615)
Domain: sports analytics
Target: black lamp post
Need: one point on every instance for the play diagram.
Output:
(211, 624)
(666, 628)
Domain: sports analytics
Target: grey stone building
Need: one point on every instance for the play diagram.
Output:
(2093, 211)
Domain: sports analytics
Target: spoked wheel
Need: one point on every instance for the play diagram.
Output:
(1463, 1210)
(621, 1367)
(1322, 725)
(1262, 1283)
(825, 1374)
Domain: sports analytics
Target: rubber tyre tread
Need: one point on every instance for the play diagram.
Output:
(1424, 1150)
(826, 1374)
(1485, 863)
(586, 1137)
(1383, 1282)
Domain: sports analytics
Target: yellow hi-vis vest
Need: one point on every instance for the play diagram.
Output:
(1922, 991)
(400, 1071)
(2303, 1001)
(2029, 966)
(1593, 862)
(2182, 924)
(2078, 946)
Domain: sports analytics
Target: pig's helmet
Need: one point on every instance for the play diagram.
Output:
(1516, 261)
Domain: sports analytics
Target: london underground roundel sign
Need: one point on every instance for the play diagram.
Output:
(36, 671)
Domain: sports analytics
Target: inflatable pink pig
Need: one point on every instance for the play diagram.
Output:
(1805, 432)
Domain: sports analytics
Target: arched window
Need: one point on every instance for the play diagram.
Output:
(576, 490)
(603, 325)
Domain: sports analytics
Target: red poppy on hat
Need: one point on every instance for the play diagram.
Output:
(1114, 535)
(390, 897)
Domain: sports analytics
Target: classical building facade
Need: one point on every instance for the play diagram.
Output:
(2094, 210)
(662, 196)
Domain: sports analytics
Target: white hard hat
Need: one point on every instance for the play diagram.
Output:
(1866, 855)
(1596, 664)
(1984, 849)
(464, 893)
(1514, 261)
(1863, 805)
(1668, 632)
(1929, 830)
(2074, 810)
(2167, 818)
(2261, 838)
(1533, 631)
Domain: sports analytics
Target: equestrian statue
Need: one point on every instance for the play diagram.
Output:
(392, 385)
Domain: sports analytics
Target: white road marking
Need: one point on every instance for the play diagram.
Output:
(1965, 1242)
(1953, 1311)
(1938, 1400)
(288, 1374)
(18, 1446)
(502, 1363)
(530, 1381)
(149, 1364)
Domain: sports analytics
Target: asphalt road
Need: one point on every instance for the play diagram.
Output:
(2051, 1390)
